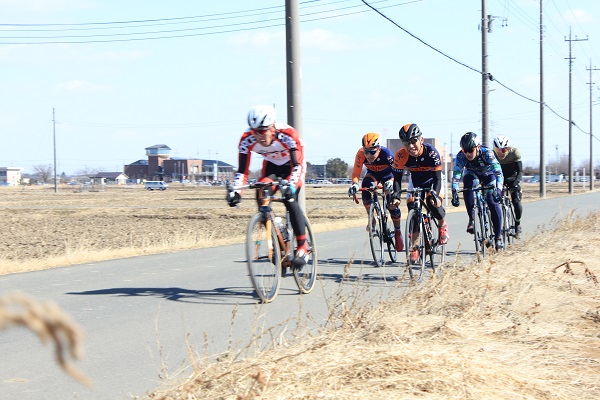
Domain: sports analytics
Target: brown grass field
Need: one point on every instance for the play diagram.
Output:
(521, 324)
(45, 229)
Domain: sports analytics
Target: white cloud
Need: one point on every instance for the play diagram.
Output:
(80, 86)
(326, 40)
(44, 5)
(578, 16)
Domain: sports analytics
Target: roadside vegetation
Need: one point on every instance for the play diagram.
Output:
(522, 324)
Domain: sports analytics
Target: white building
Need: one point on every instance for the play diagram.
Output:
(10, 176)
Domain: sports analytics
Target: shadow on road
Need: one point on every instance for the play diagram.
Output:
(224, 296)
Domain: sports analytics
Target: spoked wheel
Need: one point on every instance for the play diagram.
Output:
(510, 225)
(415, 246)
(437, 253)
(479, 232)
(490, 237)
(390, 240)
(264, 258)
(376, 234)
(306, 276)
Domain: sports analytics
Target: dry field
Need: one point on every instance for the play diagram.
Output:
(44, 229)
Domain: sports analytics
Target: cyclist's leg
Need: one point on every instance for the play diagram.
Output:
(367, 198)
(394, 210)
(515, 197)
(495, 209)
(470, 181)
(439, 213)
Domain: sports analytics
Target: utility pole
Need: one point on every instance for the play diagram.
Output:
(54, 141)
(542, 105)
(485, 136)
(294, 106)
(570, 58)
(592, 173)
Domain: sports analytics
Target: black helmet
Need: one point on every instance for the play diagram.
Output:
(469, 140)
(409, 132)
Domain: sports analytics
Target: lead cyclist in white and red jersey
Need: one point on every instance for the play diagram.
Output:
(283, 158)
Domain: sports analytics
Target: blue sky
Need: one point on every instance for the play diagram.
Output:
(114, 96)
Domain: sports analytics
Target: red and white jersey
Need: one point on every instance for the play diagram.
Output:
(286, 148)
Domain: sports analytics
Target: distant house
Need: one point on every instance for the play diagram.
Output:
(102, 178)
(10, 176)
(160, 166)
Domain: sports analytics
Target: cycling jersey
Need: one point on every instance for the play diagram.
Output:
(381, 167)
(483, 165)
(285, 154)
(512, 167)
(425, 169)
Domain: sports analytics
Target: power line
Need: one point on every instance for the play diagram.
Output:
(469, 67)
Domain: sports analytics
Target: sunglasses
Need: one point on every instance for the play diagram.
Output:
(469, 150)
(259, 132)
(409, 142)
(370, 152)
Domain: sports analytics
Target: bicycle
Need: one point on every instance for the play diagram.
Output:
(483, 232)
(509, 222)
(271, 245)
(422, 237)
(381, 229)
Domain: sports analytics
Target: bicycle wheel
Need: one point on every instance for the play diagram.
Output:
(479, 231)
(306, 276)
(437, 252)
(376, 233)
(390, 239)
(510, 223)
(264, 258)
(415, 246)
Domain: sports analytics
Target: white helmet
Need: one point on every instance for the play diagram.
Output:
(501, 142)
(261, 117)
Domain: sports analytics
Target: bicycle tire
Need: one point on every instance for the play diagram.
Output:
(390, 240)
(437, 252)
(306, 276)
(479, 231)
(511, 220)
(490, 235)
(415, 240)
(264, 265)
(376, 233)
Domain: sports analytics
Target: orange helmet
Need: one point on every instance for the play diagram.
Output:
(371, 140)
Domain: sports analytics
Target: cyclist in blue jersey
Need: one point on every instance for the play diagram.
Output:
(479, 164)
(378, 160)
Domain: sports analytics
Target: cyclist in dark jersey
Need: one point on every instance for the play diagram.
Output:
(377, 159)
(479, 164)
(512, 169)
(424, 163)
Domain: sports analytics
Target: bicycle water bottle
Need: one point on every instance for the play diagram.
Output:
(282, 228)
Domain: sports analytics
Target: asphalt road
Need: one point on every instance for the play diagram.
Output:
(141, 315)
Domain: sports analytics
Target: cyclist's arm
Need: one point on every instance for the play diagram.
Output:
(359, 160)
(437, 181)
(457, 172)
(519, 170)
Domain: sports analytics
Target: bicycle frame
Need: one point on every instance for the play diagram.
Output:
(483, 232)
(381, 230)
(270, 248)
(509, 226)
(420, 236)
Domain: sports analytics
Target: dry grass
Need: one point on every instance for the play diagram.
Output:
(524, 324)
(49, 323)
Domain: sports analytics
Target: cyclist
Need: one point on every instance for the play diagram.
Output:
(480, 165)
(283, 158)
(424, 163)
(512, 168)
(377, 159)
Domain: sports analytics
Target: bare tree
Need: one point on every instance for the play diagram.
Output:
(43, 172)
